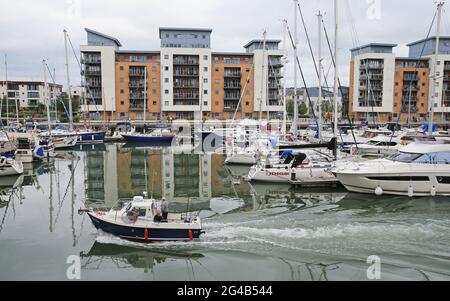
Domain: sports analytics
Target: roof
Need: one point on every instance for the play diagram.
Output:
(104, 36)
(426, 147)
(183, 29)
(373, 45)
(233, 53)
(260, 41)
(428, 39)
(137, 51)
(22, 82)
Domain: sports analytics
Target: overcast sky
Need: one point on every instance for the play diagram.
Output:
(33, 30)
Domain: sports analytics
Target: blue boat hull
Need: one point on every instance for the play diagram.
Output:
(138, 234)
(148, 139)
(91, 137)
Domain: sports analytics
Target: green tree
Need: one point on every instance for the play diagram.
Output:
(302, 108)
(63, 105)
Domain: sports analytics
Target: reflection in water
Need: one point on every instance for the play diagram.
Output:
(124, 257)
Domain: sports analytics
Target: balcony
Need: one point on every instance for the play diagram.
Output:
(93, 73)
(186, 96)
(232, 85)
(410, 78)
(186, 86)
(410, 88)
(185, 74)
(275, 75)
(274, 103)
(91, 60)
(447, 67)
(94, 84)
(371, 77)
(185, 103)
(186, 62)
(232, 74)
(136, 72)
(230, 107)
(134, 84)
(371, 66)
(273, 86)
(275, 63)
(231, 97)
(136, 107)
(274, 97)
(136, 96)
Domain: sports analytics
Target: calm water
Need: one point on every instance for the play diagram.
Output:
(253, 232)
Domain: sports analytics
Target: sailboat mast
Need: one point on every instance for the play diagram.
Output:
(7, 96)
(145, 96)
(336, 68)
(295, 120)
(68, 83)
(283, 129)
(266, 75)
(436, 58)
(319, 101)
(47, 101)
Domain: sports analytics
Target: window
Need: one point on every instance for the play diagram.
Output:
(166, 103)
(216, 103)
(217, 91)
(166, 68)
(205, 69)
(423, 94)
(121, 68)
(166, 91)
(122, 103)
(247, 70)
(396, 83)
(438, 63)
(122, 79)
(166, 56)
(247, 103)
(154, 91)
(154, 103)
(217, 81)
(204, 36)
(166, 80)
(121, 91)
(205, 92)
(153, 69)
(217, 70)
(205, 80)
(424, 73)
(154, 80)
(247, 92)
(434, 158)
(167, 35)
(205, 103)
(205, 57)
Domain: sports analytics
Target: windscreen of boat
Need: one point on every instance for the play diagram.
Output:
(404, 157)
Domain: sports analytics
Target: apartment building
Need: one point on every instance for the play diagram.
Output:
(182, 80)
(386, 88)
(28, 94)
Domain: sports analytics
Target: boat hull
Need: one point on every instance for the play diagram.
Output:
(148, 139)
(138, 233)
(91, 137)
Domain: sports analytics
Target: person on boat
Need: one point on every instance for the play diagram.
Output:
(164, 209)
(158, 217)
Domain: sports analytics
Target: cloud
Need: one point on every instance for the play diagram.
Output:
(32, 30)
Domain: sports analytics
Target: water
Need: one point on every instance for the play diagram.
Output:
(253, 232)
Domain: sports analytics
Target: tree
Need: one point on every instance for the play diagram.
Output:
(63, 107)
(302, 108)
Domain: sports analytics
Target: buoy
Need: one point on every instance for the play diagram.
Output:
(146, 234)
(410, 191)
(190, 235)
(379, 191)
(433, 191)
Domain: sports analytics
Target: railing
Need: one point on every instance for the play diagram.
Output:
(232, 85)
(410, 88)
(273, 86)
(136, 96)
(372, 76)
(232, 96)
(136, 84)
(230, 108)
(93, 72)
(189, 62)
(273, 62)
(274, 97)
(93, 83)
(185, 86)
(185, 96)
(185, 103)
(91, 60)
(136, 107)
(447, 67)
(371, 66)
(232, 74)
(136, 72)
(410, 78)
(275, 74)
(180, 73)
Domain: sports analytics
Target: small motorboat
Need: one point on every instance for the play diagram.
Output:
(10, 167)
(28, 150)
(135, 221)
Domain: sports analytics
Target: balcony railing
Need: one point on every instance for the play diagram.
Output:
(410, 78)
(372, 76)
(94, 84)
(91, 60)
(186, 86)
(185, 96)
(185, 74)
(134, 72)
(133, 84)
(231, 96)
(137, 96)
(232, 74)
(185, 103)
(447, 67)
(275, 75)
(410, 88)
(232, 85)
(136, 107)
(371, 66)
(189, 62)
(93, 73)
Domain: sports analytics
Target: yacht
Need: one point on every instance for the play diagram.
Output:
(10, 167)
(378, 146)
(418, 169)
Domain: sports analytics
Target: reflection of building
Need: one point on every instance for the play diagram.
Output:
(122, 173)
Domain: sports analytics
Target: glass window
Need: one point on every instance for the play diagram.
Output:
(434, 158)
(404, 157)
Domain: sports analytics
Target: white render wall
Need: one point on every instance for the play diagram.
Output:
(438, 88)
(167, 101)
(260, 61)
(388, 82)
(108, 78)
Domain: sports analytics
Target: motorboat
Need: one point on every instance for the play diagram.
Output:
(156, 136)
(91, 136)
(135, 221)
(303, 166)
(378, 146)
(28, 150)
(121, 128)
(61, 138)
(418, 169)
(10, 167)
